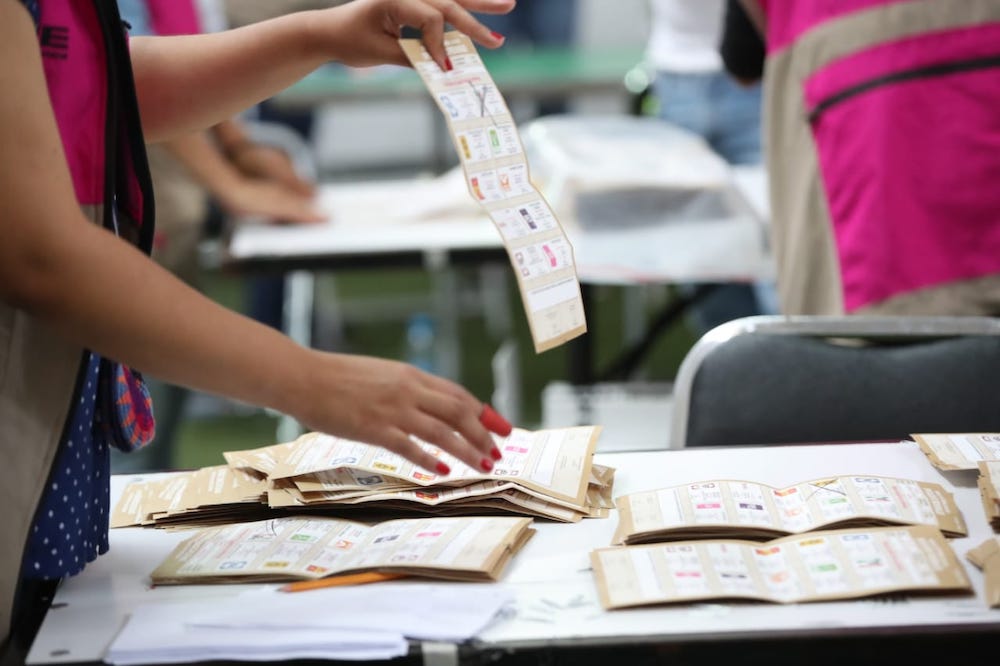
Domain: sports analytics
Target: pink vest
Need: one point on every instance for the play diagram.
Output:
(901, 101)
(94, 101)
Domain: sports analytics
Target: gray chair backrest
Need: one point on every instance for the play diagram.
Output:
(807, 379)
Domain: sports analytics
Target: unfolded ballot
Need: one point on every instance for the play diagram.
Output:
(546, 474)
(959, 450)
(750, 510)
(817, 566)
(475, 548)
(493, 161)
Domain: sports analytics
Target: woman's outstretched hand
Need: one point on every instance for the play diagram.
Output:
(363, 33)
(384, 402)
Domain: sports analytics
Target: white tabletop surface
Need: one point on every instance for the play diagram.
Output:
(435, 216)
(556, 597)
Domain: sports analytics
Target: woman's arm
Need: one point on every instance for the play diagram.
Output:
(192, 82)
(105, 295)
(273, 196)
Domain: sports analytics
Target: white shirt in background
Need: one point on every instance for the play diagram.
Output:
(684, 35)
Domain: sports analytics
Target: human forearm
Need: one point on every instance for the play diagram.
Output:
(240, 193)
(193, 82)
(101, 292)
(204, 162)
(105, 295)
(62, 268)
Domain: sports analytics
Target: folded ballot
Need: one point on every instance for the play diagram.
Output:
(750, 510)
(989, 490)
(818, 566)
(475, 548)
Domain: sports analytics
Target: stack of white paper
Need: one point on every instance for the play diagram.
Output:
(357, 622)
(157, 633)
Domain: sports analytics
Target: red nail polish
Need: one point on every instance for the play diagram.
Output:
(497, 35)
(443, 469)
(494, 422)
(496, 453)
(486, 464)
(447, 64)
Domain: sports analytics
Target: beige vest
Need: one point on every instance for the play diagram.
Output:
(38, 373)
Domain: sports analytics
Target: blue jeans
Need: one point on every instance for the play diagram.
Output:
(717, 108)
(728, 116)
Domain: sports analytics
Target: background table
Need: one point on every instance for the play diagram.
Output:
(538, 73)
(525, 76)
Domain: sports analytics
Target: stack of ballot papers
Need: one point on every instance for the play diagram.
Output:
(750, 510)
(349, 623)
(472, 548)
(545, 474)
(959, 450)
(207, 496)
(969, 451)
(989, 489)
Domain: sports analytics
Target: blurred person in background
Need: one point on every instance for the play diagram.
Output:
(883, 150)
(265, 294)
(692, 90)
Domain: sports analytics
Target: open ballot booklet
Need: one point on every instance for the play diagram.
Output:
(546, 474)
(496, 172)
(748, 510)
(817, 566)
(959, 450)
(303, 548)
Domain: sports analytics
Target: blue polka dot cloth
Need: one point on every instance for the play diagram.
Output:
(71, 527)
(33, 8)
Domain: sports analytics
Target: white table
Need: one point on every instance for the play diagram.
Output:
(557, 607)
(433, 221)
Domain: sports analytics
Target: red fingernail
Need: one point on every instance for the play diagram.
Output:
(494, 422)
(486, 464)
(497, 35)
(443, 469)
(496, 453)
(447, 64)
